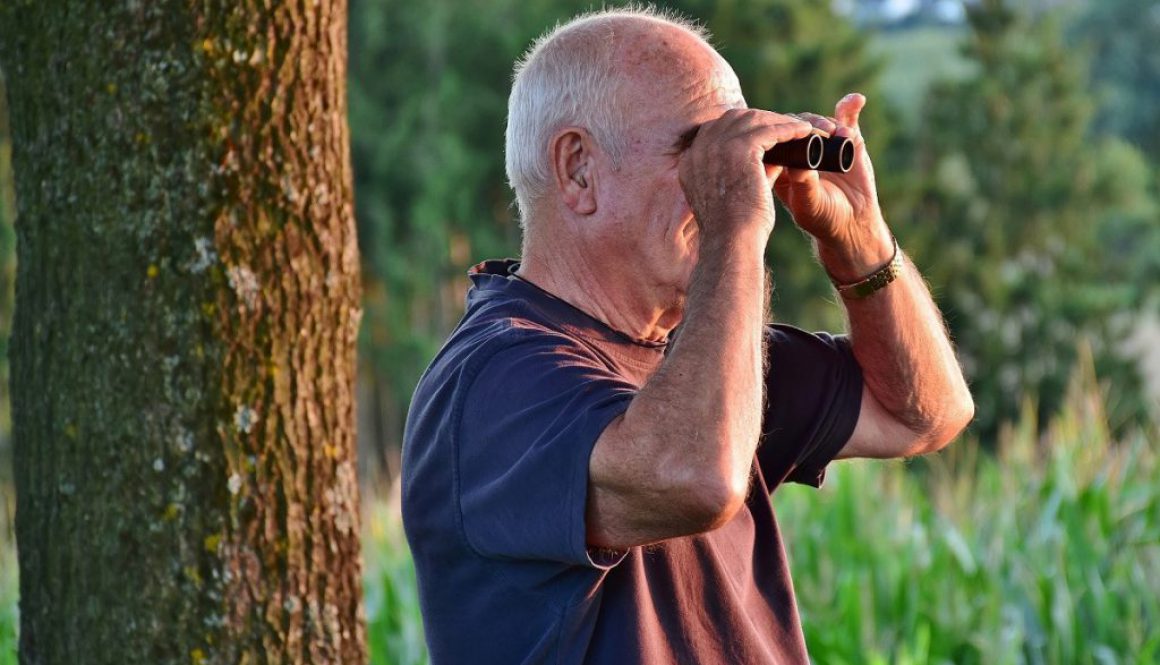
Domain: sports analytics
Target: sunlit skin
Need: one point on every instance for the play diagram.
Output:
(675, 233)
(628, 256)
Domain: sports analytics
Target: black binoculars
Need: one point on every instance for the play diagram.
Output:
(814, 152)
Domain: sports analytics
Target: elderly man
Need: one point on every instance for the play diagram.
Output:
(581, 485)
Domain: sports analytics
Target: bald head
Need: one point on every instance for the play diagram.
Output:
(594, 72)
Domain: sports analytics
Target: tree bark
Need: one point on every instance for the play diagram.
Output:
(183, 344)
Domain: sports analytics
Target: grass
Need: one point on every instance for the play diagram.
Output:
(394, 627)
(9, 586)
(1047, 551)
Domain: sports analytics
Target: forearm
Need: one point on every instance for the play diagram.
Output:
(901, 343)
(705, 401)
(678, 462)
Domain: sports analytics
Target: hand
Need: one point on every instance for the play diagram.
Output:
(840, 210)
(725, 182)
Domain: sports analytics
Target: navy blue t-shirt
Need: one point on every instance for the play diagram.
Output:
(495, 479)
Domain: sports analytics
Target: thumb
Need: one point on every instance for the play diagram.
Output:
(799, 189)
(848, 108)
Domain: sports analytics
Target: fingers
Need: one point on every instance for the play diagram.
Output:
(762, 129)
(797, 177)
(724, 178)
(798, 180)
(821, 123)
(847, 110)
(765, 136)
(789, 181)
(845, 120)
(825, 203)
(745, 135)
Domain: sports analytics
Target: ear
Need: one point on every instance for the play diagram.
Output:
(574, 168)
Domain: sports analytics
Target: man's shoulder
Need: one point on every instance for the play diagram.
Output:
(483, 357)
(482, 337)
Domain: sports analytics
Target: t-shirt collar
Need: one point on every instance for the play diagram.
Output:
(500, 275)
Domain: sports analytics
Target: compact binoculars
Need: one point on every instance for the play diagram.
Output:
(814, 152)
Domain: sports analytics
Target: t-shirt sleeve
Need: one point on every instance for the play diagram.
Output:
(530, 419)
(813, 395)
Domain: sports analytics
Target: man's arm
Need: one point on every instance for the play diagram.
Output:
(679, 460)
(915, 398)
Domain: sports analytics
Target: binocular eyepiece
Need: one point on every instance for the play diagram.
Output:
(814, 152)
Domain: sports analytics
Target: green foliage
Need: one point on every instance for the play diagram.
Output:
(394, 626)
(1015, 201)
(1031, 233)
(1046, 552)
(914, 58)
(1122, 36)
(9, 585)
(411, 173)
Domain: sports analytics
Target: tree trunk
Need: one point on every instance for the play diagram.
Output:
(183, 344)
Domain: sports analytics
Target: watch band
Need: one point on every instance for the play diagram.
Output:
(876, 281)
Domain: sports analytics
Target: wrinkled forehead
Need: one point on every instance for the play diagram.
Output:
(672, 77)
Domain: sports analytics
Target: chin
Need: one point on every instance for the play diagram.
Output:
(674, 311)
(676, 299)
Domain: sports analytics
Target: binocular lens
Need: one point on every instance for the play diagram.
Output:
(814, 152)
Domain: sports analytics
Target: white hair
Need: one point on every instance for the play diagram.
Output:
(569, 77)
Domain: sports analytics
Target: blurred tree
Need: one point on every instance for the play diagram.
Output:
(1122, 36)
(7, 270)
(183, 342)
(1018, 195)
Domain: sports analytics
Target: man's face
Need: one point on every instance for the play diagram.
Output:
(680, 83)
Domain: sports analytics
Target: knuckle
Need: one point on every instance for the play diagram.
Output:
(732, 114)
(748, 116)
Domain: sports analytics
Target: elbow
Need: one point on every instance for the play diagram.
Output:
(694, 494)
(718, 509)
(712, 500)
(949, 423)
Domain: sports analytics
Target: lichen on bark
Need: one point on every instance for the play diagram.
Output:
(183, 342)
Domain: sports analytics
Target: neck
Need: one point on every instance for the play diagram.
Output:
(619, 301)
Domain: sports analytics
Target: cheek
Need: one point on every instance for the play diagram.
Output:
(670, 237)
(677, 212)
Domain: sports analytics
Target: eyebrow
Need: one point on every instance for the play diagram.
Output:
(686, 138)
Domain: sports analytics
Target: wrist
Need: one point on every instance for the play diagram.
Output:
(856, 256)
(874, 282)
(741, 245)
(728, 264)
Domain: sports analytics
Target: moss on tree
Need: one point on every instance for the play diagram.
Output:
(183, 342)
